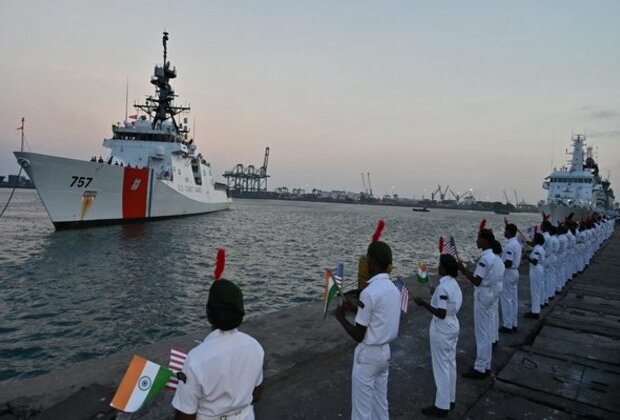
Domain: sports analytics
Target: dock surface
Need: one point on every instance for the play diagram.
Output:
(565, 365)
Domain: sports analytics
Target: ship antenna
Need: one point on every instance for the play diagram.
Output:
(165, 41)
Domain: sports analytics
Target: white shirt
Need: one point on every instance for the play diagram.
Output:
(381, 311)
(447, 296)
(512, 252)
(222, 373)
(538, 255)
(486, 269)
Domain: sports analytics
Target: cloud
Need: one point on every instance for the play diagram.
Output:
(604, 113)
(611, 134)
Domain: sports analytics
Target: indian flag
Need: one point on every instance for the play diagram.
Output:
(422, 275)
(143, 380)
(332, 286)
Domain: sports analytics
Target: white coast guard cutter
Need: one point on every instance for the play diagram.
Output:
(153, 170)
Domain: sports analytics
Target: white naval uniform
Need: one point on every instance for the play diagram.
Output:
(537, 275)
(483, 310)
(444, 335)
(555, 261)
(572, 260)
(562, 262)
(497, 290)
(380, 315)
(548, 277)
(510, 296)
(222, 373)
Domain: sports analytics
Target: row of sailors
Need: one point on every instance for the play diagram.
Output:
(222, 377)
(554, 256)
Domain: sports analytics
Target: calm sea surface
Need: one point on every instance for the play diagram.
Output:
(74, 295)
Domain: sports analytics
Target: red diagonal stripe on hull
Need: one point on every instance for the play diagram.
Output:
(135, 192)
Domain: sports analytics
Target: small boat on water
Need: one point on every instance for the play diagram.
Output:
(153, 170)
(420, 210)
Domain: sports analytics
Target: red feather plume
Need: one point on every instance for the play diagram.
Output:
(505, 221)
(378, 231)
(483, 224)
(546, 216)
(441, 243)
(220, 262)
(535, 228)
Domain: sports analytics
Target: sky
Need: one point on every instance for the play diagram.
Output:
(472, 94)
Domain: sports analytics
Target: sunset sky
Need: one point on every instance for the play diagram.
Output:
(475, 94)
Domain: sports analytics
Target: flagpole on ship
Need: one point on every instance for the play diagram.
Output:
(21, 148)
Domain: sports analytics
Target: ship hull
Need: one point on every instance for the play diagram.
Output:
(79, 193)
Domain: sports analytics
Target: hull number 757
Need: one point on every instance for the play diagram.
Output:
(81, 181)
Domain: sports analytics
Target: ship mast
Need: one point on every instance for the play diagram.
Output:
(160, 108)
(576, 163)
(21, 148)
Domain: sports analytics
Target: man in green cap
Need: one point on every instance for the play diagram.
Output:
(222, 376)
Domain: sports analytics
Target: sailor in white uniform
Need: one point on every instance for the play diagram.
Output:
(537, 274)
(547, 264)
(376, 326)
(223, 375)
(498, 272)
(563, 260)
(510, 297)
(556, 261)
(484, 279)
(444, 334)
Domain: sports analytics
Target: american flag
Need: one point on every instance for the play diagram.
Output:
(339, 275)
(177, 359)
(450, 247)
(404, 294)
(404, 299)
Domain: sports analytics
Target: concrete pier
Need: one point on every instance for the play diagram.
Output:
(565, 365)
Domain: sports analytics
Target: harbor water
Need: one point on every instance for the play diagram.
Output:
(70, 296)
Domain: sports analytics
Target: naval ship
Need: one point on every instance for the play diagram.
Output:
(577, 190)
(153, 170)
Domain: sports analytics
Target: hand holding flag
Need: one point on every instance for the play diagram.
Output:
(333, 286)
(141, 382)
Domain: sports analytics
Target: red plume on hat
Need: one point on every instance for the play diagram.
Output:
(220, 263)
(546, 217)
(505, 221)
(378, 231)
(441, 243)
(483, 224)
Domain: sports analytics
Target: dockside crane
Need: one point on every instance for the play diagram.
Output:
(442, 194)
(457, 197)
(506, 197)
(364, 184)
(369, 184)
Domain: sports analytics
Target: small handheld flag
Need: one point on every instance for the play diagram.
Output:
(142, 381)
(220, 263)
(177, 360)
(378, 231)
(404, 294)
(422, 273)
(450, 247)
(332, 287)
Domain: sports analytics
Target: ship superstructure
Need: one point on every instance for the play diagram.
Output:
(577, 189)
(153, 170)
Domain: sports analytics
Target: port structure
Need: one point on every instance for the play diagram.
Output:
(248, 179)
